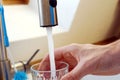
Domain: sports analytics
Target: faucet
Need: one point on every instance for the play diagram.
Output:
(47, 13)
(5, 67)
(48, 18)
(4, 61)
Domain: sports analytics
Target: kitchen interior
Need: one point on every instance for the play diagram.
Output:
(79, 21)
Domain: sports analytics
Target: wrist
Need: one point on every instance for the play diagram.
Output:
(114, 48)
(111, 58)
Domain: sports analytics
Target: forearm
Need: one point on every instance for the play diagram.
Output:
(115, 56)
(110, 61)
(115, 46)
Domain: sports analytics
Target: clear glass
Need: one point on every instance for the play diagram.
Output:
(61, 69)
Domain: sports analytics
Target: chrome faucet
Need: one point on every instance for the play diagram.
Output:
(47, 13)
(5, 67)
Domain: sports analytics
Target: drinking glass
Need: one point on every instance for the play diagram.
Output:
(45, 73)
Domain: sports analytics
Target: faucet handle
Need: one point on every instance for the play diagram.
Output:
(24, 65)
(32, 56)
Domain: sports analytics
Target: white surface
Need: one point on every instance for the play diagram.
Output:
(66, 10)
(91, 77)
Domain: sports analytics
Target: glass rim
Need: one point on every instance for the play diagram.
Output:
(66, 67)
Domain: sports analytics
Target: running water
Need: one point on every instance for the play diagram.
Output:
(51, 53)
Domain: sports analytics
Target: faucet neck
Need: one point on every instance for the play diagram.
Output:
(3, 54)
(5, 67)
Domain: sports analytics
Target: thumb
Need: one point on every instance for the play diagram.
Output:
(69, 76)
(76, 74)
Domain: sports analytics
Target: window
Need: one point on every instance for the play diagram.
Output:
(10, 2)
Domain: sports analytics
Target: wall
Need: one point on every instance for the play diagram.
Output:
(91, 21)
(94, 20)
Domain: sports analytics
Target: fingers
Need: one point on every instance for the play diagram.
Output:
(44, 63)
(58, 54)
(46, 60)
(61, 54)
(76, 74)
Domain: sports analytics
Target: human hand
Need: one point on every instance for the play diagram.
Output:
(83, 59)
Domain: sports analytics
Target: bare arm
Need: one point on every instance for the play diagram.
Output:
(110, 61)
(88, 59)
